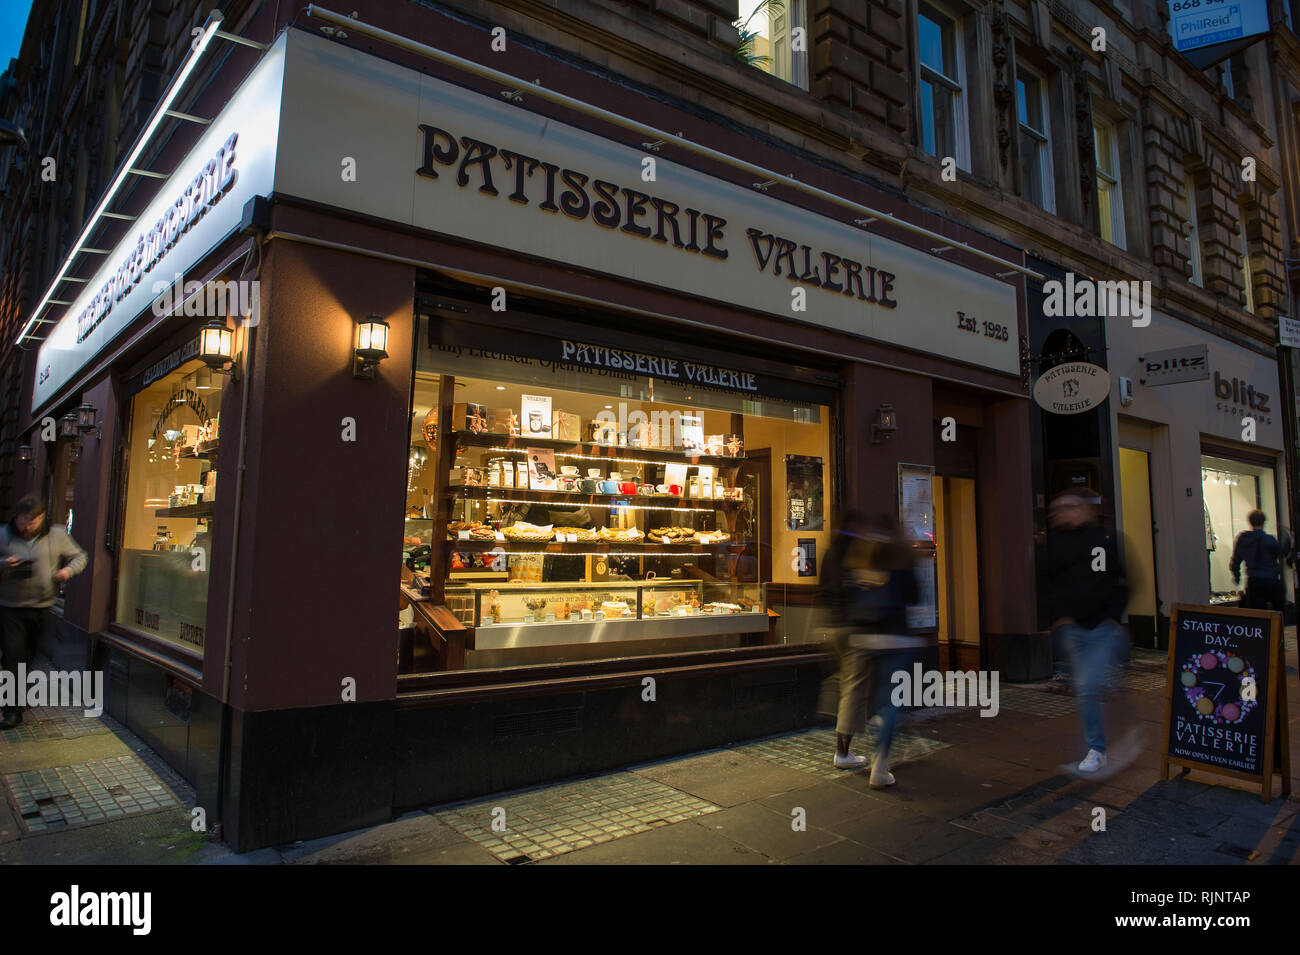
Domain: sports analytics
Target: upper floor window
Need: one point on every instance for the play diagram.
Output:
(1035, 145)
(1110, 200)
(774, 38)
(943, 106)
(1193, 232)
(1247, 278)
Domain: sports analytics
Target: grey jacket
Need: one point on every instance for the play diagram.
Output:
(51, 550)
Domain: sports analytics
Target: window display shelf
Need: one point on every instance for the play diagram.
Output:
(204, 450)
(595, 548)
(205, 509)
(588, 450)
(663, 502)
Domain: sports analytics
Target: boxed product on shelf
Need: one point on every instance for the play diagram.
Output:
(566, 426)
(535, 416)
(734, 446)
(467, 416)
(503, 421)
(692, 433)
(714, 444)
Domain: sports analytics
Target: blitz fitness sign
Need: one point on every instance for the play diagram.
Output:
(204, 191)
(452, 161)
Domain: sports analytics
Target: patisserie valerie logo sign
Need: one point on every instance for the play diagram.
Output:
(558, 190)
(204, 191)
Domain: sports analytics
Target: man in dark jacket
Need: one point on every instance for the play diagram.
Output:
(1087, 596)
(1263, 555)
(34, 562)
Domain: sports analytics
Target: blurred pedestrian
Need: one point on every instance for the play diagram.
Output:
(868, 582)
(34, 562)
(1263, 554)
(1087, 595)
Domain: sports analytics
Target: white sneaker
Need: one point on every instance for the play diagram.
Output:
(880, 775)
(850, 761)
(1094, 761)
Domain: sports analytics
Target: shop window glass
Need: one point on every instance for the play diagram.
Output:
(170, 498)
(63, 483)
(592, 513)
(1230, 491)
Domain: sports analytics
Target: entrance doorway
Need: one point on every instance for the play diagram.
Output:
(957, 561)
(1139, 545)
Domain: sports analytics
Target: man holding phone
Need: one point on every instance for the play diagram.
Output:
(34, 562)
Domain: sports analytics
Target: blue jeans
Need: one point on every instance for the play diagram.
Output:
(885, 664)
(1094, 655)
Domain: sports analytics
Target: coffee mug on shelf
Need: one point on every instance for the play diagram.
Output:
(589, 486)
(615, 476)
(608, 487)
(569, 470)
(646, 489)
(627, 487)
(568, 482)
(593, 472)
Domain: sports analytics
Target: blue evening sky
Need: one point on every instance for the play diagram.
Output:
(13, 21)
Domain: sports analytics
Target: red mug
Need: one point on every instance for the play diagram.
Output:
(675, 489)
(627, 487)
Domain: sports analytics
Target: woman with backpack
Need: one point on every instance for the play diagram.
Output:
(867, 583)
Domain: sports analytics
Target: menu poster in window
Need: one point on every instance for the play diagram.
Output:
(541, 469)
(803, 493)
(924, 615)
(916, 501)
(692, 433)
(535, 416)
(1226, 695)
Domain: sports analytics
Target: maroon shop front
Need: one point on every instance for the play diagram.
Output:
(455, 574)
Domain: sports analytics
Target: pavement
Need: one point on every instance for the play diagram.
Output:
(970, 790)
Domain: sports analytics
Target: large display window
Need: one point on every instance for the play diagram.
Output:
(590, 512)
(171, 488)
(1230, 491)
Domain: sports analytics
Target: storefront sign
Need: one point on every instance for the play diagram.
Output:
(1226, 694)
(1175, 365)
(194, 211)
(165, 366)
(598, 356)
(203, 192)
(1239, 397)
(449, 160)
(1072, 388)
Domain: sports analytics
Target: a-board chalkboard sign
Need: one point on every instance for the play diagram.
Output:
(1225, 706)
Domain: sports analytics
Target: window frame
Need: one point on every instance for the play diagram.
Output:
(955, 86)
(1248, 281)
(1044, 136)
(1197, 277)
(1114, 180)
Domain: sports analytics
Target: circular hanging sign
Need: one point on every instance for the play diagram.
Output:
(1072, 388)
